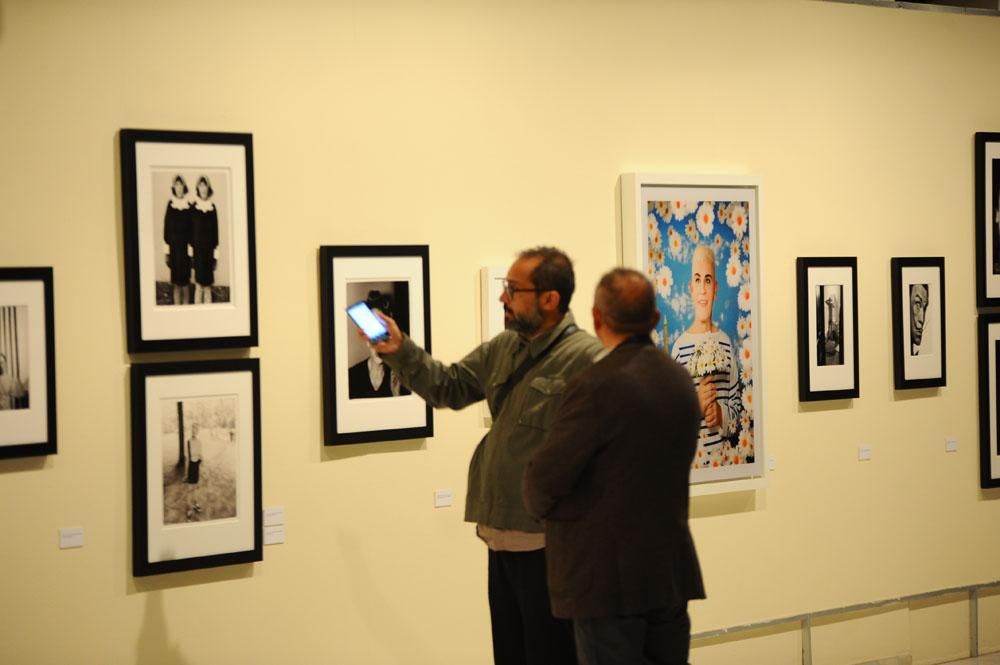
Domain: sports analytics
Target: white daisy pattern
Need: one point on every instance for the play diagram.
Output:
(743, 298)
(746, 354)
(651, 223)
(738, 220)
(675, 245)
(743, 326)
(664, 281)
(733, 271)
(691, 231)
(747, 397)
(681, 305)
(680, 209)
(705, 218)
(656, 239)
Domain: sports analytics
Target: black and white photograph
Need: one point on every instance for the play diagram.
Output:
(199, 459)
(829, 310)
(14, 359)
(989, 404)
(827, 303)
(190, 254)
(918, 322)
(194, 235)
(27, 363)
(196, 466)
(995, 226)
(363, 401)
(918, 300)
(367, 376)
(987, 167)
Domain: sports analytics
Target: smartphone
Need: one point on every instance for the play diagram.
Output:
(365, 318)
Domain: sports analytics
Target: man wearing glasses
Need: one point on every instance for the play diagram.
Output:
(521, 374)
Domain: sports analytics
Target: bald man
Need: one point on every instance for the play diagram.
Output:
(611, 482)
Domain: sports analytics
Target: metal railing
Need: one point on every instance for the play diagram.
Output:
(805, 620)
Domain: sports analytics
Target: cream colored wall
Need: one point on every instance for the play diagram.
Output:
(480, 128)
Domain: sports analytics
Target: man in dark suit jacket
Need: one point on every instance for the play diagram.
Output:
(611, 481)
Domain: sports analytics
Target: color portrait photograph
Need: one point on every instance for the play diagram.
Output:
(699, 257)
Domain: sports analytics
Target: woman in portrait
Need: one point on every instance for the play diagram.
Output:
(177, 236)
(204, 240)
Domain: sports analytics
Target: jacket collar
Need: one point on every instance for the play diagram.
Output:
(540, 343)
(634, 340)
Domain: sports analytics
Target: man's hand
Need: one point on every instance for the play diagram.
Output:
(708, 400)
(395, 340)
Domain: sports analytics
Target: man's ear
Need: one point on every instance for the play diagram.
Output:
(598, 320)
(548, 301)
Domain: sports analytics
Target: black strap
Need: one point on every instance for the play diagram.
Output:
(515, 377)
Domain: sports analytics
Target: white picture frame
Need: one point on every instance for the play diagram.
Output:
(658, 235)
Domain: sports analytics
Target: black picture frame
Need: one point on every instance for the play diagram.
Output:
(828, 353)
(989, 407)
(353, 412)
(27, 363)
(918, 289)
(196, 517)
(157, 318)
(987, 165)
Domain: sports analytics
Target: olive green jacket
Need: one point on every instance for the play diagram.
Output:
(497, 466)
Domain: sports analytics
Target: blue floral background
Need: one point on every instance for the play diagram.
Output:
(673, 230)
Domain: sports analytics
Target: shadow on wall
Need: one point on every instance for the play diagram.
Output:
(154, 645)
(377, 607)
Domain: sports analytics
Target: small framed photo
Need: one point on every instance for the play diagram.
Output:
(989, 403)
(27, 363)
(987, 219)
(363, 401)
(190, 266)
(697, 238)
(196, 469)
(827, 295)
(918, 322)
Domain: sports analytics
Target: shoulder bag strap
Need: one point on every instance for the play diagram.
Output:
(515, 377)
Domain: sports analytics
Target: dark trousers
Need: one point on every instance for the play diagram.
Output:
(659, 637)
(524, 630)
(192, 476)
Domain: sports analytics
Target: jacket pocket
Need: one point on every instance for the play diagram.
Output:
(544, 395)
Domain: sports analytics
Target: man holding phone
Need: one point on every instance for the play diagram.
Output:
(521, 374)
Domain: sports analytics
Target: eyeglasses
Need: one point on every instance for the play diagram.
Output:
(510, 290)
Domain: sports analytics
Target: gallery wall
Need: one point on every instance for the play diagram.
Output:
(480, 129)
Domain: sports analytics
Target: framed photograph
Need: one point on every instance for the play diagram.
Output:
(988, 219)
(918, 318)
(989, 404)
(698, 239)
(27, 363)
(188, 213)
(363, 401)
(827, 294)
(196, 470)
